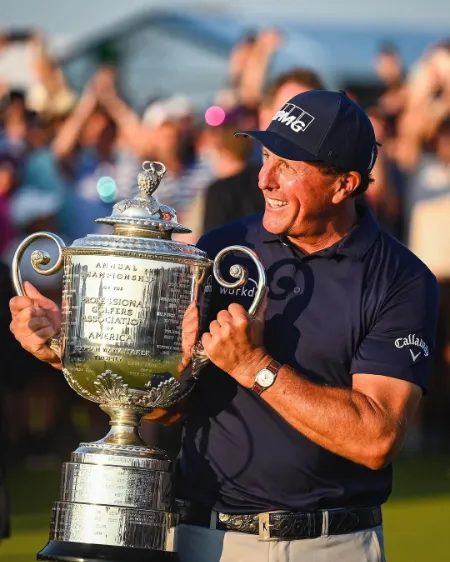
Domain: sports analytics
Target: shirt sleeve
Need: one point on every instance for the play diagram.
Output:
(401, 342)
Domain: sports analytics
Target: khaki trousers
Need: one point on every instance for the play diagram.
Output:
(198, 544)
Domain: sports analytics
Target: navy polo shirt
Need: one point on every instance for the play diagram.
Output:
(364, 305)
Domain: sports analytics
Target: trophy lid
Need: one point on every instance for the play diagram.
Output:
(144, 215)
(143, 227)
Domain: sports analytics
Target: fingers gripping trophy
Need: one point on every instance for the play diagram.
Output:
(125, 295)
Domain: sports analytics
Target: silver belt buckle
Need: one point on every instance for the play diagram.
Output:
(264, 527)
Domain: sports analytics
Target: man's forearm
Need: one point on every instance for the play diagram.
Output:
(343, 421)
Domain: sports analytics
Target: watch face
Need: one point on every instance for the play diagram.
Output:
(265, 378)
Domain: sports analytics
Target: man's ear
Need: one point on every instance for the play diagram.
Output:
(346, 184)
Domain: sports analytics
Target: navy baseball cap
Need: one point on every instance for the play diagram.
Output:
(319, 125)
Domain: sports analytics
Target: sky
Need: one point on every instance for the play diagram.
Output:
(63, 21)
(67, 18)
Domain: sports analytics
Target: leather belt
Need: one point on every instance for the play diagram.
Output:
(282, 525)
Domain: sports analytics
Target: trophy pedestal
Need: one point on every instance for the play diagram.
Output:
(57, 551)
(115, 505)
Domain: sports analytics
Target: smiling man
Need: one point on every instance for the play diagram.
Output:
(290, 433)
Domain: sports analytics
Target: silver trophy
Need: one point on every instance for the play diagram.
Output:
(124, 298)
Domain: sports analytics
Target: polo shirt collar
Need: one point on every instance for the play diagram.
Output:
(354, 245)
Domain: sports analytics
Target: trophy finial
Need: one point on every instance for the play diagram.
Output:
(151, 177)
(144, 215)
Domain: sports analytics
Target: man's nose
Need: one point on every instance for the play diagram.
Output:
(266, 178)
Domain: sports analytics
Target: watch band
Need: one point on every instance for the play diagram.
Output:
(257, 388)
(274, 367)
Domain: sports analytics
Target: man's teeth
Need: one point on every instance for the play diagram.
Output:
(276, 202)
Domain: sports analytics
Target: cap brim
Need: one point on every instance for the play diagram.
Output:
(280, 146)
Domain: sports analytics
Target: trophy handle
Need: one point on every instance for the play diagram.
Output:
(38, 258)
(240, 273)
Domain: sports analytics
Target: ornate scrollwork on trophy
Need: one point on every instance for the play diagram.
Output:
(39, 257)
(149, 205)
(161, 396)
(117, 447)
(111, 389)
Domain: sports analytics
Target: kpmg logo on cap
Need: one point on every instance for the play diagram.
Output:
(294, 117)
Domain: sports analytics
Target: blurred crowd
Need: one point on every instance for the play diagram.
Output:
(67, 156)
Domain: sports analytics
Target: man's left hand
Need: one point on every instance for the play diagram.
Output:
(235, 342)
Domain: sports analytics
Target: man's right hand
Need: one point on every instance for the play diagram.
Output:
(35, 319)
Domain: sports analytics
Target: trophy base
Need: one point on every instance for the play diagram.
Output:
(115, 504)
(62, 551)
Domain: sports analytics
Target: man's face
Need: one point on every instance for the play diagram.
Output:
(298, 196)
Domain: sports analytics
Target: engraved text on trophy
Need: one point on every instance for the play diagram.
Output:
(124, 316)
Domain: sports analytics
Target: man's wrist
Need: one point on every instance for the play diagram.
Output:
(246, 372)
(266, 377)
